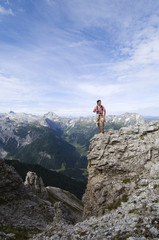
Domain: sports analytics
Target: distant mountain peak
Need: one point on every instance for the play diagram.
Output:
(50, 115)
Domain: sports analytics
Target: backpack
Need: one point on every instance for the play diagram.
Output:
(98, 112)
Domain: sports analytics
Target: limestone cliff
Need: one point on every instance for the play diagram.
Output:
(120, 163)
(121, 200)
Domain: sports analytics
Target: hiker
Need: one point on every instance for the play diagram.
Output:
(99, 109)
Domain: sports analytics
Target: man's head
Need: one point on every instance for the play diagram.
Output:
(99, 102)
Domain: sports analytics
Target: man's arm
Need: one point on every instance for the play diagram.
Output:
(95, 109)
(104, 112)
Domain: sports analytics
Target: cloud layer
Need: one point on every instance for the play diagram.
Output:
(63, 55)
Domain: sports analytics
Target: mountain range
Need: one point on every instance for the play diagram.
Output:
(56, 143)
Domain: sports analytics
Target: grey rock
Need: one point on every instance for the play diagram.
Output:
(18, 207)
(9, 236)
(121, 200)
(128, 161)
(35, 184)
(26, 207)
(71, 201)
(62, 214)
(11, 184)
(154, 172)
(154, 231)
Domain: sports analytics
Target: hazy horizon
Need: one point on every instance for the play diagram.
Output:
(72, 116)
(62, 56)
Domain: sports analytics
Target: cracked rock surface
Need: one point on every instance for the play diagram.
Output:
(119, 164)
(122, 195)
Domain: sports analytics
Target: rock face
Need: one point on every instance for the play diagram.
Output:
(121, 200)
(68, 199)
(35, 184)
(31, 207)
(62, 214)
(11, 184)
(120, 163)
(18, 208)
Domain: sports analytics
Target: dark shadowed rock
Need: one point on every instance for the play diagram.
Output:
(68, 199)
(62, 214)
(25, 209)
(11, 184)
(19, 208)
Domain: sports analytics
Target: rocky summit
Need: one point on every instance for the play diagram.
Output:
(121, 199)
(119, 164)
(28, 208)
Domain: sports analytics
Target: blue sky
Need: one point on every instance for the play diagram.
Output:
(63, 55)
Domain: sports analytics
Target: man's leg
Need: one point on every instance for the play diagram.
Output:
(98, 127)
(102, 127)
(98, 122)
(102, 120)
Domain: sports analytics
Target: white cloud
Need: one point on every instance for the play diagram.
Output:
(4, 11)
(102, 89)
(12, 89)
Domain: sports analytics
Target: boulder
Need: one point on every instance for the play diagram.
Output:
(35, 184)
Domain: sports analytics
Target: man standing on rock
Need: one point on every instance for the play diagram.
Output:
(99, 109)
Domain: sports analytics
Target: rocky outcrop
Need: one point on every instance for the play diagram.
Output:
(62, 214)
(67, 207)
(120, 163)
(75, 206)
(11, 184)
(122, 196)
(35, 184)
(18, 208)
(31, 207)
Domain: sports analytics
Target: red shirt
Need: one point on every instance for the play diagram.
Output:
(99, 109)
